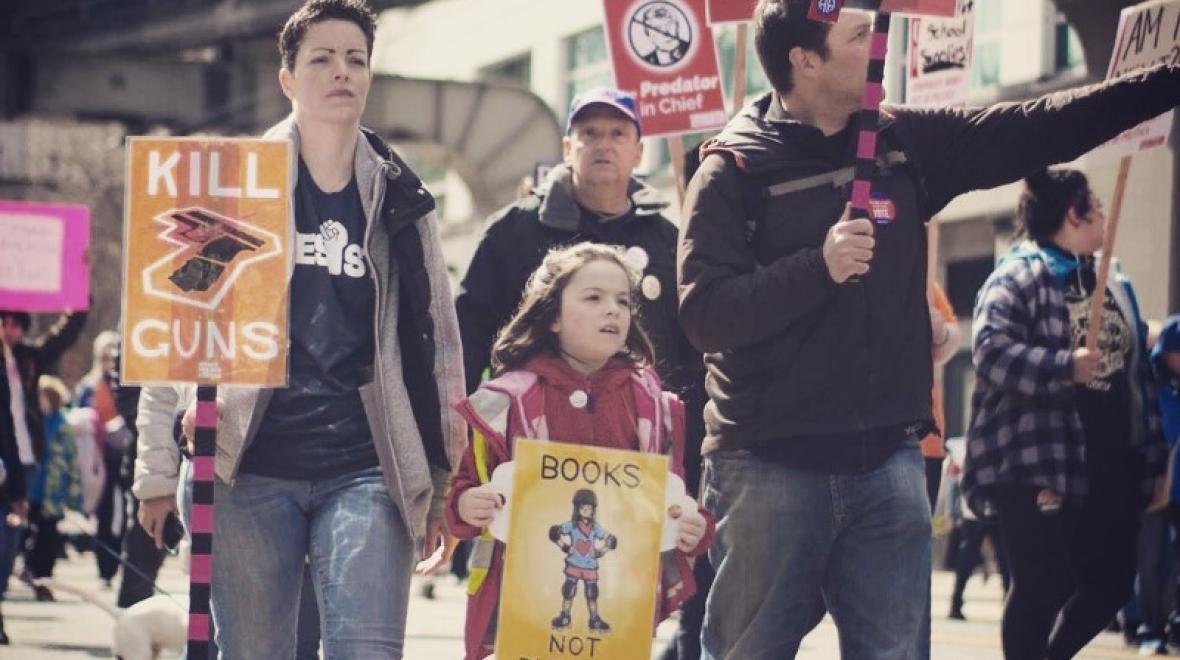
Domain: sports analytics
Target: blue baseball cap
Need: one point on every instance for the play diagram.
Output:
(612, 98)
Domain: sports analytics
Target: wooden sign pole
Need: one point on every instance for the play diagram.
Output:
(739, 69)
(676, 154)
(1112, 228)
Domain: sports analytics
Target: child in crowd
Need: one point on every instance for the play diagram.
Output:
(57, 484)
(570, 366)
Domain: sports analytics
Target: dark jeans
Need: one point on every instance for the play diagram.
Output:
(1074, 567)
(47, 542)
(1157, 570)
(110, 540)
(968, 556)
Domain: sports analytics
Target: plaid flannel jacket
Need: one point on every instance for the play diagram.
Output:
(1024, 427)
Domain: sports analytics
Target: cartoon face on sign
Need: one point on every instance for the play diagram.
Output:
(659, 33)
(212, 250)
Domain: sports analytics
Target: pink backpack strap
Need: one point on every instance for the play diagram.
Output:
(650, 417)
(527, 410)
(674, 418)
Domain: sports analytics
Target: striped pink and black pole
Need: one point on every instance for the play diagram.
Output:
(869, 118)
(201, 523)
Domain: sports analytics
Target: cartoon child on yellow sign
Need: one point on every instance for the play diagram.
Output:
(583, 541)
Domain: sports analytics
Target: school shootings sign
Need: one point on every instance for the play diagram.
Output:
(205, 272)
(664, 55)
(938, 70)
(1148, 34)
(582, 560)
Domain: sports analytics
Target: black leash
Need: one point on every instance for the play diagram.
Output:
(126, 564)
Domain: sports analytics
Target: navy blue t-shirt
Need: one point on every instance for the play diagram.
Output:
(316, 427)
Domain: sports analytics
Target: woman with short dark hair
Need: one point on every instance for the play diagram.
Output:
(1064, 444)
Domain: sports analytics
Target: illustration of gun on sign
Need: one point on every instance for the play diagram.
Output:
(218, 242)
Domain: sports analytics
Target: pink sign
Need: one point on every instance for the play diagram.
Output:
(730, 11)
(944, 8)
(43, 262)
(663, 54)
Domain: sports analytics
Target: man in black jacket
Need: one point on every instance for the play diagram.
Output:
(591, 196)
(22, 362)
(817, 332)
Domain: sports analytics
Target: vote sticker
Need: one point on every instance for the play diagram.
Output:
(881, 209)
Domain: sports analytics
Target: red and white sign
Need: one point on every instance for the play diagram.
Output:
(43, 266)
(1148, 34)
(730, 11)
(663, 54)
(944, 8)
(938, 70)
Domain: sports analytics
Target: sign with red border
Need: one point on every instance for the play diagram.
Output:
(1148, 34)
(663, 54)
(945, 8)
(730, 11)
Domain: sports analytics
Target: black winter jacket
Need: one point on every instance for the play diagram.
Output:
(792, 355)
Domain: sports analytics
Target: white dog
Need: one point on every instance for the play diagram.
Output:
(143, 630)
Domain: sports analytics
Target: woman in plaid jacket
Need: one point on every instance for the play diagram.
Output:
(1064, 444)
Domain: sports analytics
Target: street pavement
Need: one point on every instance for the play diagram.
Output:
(70, 629)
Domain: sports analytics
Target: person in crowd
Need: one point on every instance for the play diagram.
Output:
(1064, 446)
(13, 489)
(593, 195)
(139, 550)
(969, 533)
(347, 467)
(56, 486)
(944, 330)
(576, 358)
(1165, 361)
(96, 390)
(817, 333)
(24, 360)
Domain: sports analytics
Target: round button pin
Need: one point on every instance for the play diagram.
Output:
(579, 398)
(636, 257)
(651, 287)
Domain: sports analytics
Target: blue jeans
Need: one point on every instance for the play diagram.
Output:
(359, 551)
(792, 543)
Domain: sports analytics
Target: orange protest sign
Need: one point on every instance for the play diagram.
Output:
(205, 270)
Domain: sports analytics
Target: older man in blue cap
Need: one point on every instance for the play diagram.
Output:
(591, 196)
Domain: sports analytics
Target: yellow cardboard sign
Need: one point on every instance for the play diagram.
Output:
(205, 269)
(581, 569)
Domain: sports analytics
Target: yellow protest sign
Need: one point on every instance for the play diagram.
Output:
(581, 567)
(205, 269)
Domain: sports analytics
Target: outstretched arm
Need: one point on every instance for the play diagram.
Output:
(958, 150)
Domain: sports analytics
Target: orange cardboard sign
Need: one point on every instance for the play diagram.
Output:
(205, 269)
